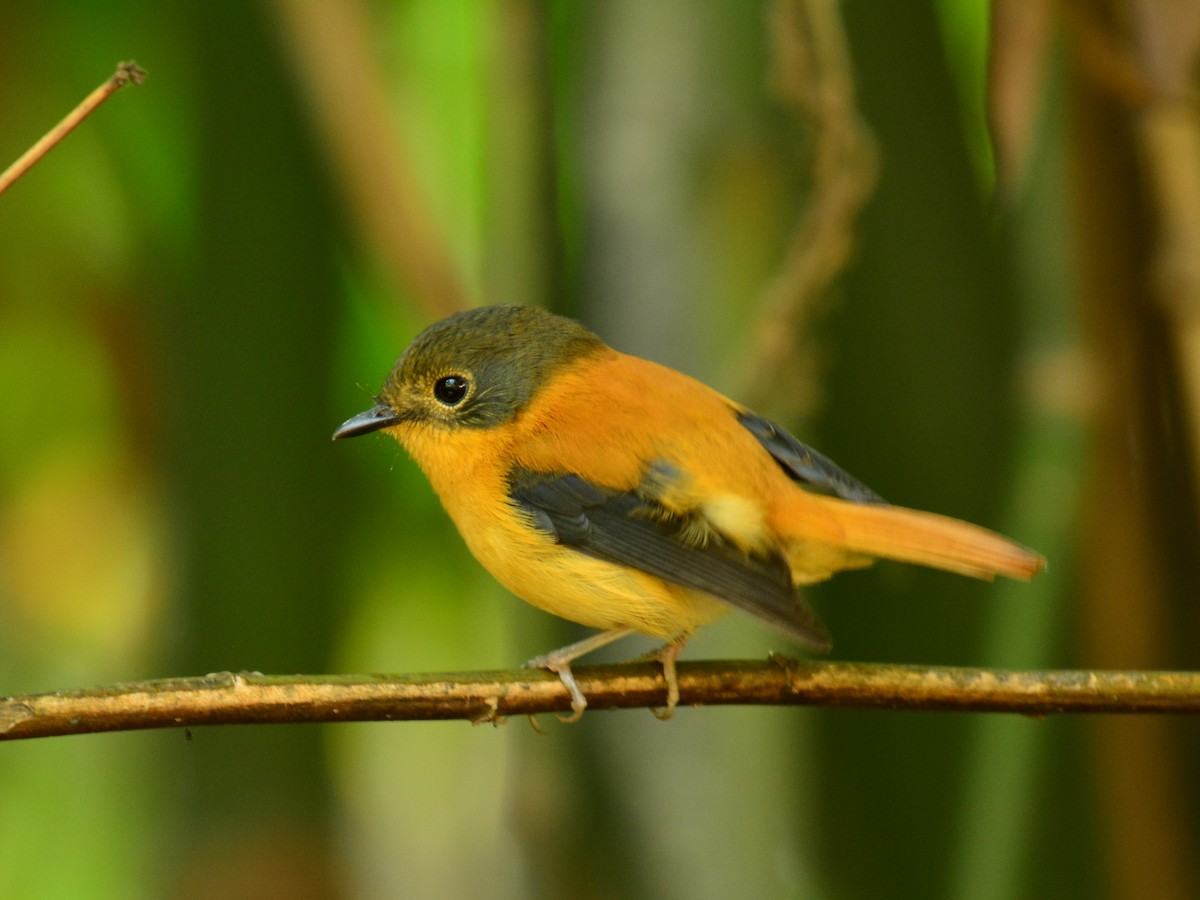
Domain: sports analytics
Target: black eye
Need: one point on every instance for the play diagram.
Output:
(451, 389)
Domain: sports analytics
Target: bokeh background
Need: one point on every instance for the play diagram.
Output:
(954, 245)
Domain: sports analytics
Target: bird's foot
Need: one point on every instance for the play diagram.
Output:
(559, 661)
(666, 656)
(562, 668)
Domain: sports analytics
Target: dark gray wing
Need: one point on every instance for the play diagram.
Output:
(803, 463)
(632, 530)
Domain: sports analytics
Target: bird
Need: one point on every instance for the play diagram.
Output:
(628, 497)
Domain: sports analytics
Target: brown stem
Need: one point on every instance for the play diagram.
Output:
(127, 73)
(813, 74)
(227, 698)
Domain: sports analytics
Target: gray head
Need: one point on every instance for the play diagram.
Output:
(475, 369)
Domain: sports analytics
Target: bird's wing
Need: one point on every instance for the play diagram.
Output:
(803, 463)
(630, 529)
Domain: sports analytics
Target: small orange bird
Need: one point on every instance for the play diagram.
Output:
(628, 497)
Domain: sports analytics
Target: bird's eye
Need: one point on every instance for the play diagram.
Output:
(451, 390)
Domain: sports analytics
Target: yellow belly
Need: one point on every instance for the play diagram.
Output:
(583, 589)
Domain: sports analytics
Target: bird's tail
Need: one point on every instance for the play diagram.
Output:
(907, 535)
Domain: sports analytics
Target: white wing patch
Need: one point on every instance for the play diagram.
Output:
(739, 519)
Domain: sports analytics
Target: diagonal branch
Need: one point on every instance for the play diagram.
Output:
(226, 698)
(127, 72)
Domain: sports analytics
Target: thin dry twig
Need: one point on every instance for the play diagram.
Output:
(813, 75)
(127, 72)
(227, 698)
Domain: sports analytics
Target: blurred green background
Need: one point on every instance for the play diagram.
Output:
(219, 267)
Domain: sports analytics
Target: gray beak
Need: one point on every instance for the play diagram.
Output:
(381, 416)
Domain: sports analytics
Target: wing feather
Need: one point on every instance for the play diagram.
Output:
(631, 529)
(803, 463)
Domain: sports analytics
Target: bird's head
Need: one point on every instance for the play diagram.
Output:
(474, 369)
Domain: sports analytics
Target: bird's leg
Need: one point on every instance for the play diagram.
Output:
(666, 656)
(559, 661)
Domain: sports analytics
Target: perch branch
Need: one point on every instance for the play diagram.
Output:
(227, 698)
(127, 73)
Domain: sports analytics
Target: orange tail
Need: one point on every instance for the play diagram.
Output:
(908, 535)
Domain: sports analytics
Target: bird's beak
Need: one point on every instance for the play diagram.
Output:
(381, 416)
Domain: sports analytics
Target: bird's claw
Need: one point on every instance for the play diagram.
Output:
(665, 656)
(563, 670)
